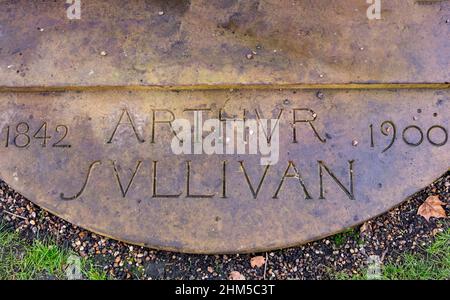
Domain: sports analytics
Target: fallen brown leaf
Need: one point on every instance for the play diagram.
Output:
(257, 261)
(365, 228)
(235, 275)
(432, 207)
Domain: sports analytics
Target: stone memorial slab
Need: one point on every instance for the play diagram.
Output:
(230, 43)
(127, 121)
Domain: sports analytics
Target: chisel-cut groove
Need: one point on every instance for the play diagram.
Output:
(300, 86)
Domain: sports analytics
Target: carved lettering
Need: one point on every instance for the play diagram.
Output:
(409, 142)
(130, 182)
(268, 135)
(22, 135)
(85, 183)
(130, 123)
(388, 128)
(224, 179)
(433, 142)
(349, 192)
(188, 184)
(295, 175)
(308, 121)
(155, 121)
(155, 193)
(247, 179)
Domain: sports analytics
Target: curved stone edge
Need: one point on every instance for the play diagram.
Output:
(206, 252)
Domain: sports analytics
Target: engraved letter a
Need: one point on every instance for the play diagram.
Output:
(129, 123)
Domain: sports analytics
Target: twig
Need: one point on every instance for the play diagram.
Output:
(384, 254)
(14, 215)
(265, 267)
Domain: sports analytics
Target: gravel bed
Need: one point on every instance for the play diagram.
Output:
(388, 236)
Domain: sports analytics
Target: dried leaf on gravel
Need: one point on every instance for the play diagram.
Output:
(366, 227)
(235, 275)
(257, 261)
(432, 207)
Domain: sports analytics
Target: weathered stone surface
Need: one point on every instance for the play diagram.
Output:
(83, 104)
(227, 218)
(204, 42)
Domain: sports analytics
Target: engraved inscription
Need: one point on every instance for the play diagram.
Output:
(350, 192)
(434, 141)
(411, 135)
(309, 121)
(128, 122)
(295, 175)
(333, 160)
(85, 183)
(291, 172)
(22, 135)
(124, 190)
(247, 179)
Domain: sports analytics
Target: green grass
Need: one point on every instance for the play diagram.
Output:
(341, 238)
(93, 272)
(40, 259)
(44, 259)
(432, 264)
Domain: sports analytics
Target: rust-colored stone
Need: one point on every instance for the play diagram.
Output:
(206, 42)
(235, 221)
(80, 102)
